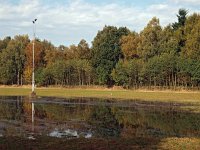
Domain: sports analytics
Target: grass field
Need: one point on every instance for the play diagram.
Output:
(165, 96)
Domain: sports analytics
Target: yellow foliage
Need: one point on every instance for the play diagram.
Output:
(28, 74)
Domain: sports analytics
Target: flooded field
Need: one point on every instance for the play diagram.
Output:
(87, 123)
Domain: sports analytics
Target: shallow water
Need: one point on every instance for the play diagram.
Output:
(88, 118)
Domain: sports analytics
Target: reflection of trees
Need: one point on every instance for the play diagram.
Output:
(27, 107)
(62, 113)
(104, 122)
(10, 111)
(159, 122)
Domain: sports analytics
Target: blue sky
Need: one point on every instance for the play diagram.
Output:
(66, 22)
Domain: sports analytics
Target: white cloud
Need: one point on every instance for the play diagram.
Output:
(191, 2)
(68, 23)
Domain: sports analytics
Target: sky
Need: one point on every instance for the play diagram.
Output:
(66, 22)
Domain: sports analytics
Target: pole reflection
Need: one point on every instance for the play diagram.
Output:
(33, 113)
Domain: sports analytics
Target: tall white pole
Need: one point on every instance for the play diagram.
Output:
(33, 73)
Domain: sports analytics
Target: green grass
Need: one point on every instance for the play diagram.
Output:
(165, 96)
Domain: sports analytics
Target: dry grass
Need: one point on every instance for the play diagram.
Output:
(180, 144)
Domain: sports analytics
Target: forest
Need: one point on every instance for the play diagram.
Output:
(163, 57)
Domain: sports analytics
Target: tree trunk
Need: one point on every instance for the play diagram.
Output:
(175, 80)
(18, 77)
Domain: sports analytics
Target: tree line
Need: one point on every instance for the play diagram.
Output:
(155, 57)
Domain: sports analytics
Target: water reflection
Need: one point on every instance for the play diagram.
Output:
(81, 118)
(69, 133)
(103, 121)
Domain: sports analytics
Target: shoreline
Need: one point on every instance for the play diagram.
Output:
(121, 94)
(102, 88)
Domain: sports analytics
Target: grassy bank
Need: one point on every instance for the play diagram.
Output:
(164, 96)
(180, 144)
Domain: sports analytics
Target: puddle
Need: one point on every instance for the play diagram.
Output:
(90, 118)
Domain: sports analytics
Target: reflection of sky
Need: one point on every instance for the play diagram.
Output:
(69, 133)
(68, 21)
(29, 130)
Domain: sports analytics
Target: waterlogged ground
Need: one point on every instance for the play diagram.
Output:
(55, 123)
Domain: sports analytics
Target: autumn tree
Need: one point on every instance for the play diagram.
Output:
(38, 59)
(129, 45)
(50, 52)
(192, 37)
(84, 50)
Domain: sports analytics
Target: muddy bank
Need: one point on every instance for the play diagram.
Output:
(43, 143)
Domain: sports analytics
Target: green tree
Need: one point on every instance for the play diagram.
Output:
(121, 74)
(19, 47)
(4, 43)
(13, 59)
(160, 70)
(169, 42)
(106, 52)
(179, 29)
(195, 73)
(149, 39)
(182, 13)
(126, 73)
(7, 67)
